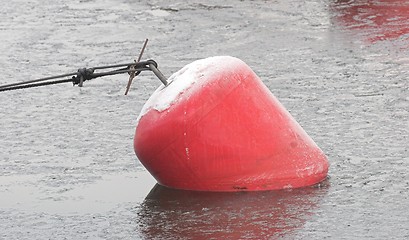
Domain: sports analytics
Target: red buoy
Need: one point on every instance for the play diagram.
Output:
(217, 127)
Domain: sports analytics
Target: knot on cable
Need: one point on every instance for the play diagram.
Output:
(132, 71)
(83, 74)
(145, 65)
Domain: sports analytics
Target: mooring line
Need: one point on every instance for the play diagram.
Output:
(37, 80)
(84, 74)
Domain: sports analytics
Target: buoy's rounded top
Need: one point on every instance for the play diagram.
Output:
(189, 77)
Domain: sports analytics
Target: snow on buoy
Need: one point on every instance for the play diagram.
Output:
(217, 127)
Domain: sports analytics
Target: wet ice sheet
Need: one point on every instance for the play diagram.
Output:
(22, 193)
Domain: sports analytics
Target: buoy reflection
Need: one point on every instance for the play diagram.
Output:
(177, 214)
(374, 20)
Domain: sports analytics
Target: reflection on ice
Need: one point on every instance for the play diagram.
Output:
(375, 20)
(178, 214)
(24, 193)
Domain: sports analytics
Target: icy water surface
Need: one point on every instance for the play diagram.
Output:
(67, 167)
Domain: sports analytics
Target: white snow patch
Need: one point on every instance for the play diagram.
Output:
(305, 172)
(288, 186)
(198, 71)
(187, 153)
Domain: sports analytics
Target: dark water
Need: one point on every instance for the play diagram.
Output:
(67, 167)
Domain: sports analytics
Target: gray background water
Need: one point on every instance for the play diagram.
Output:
(67, 167)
